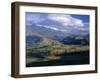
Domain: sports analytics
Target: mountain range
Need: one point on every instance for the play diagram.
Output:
(35, 33)
(46, 44)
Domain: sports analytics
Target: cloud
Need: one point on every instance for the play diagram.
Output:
(58, 22)
(50, 27)
(64, 23)
(66, 20)
(84, 28)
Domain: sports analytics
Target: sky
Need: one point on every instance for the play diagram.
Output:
(59, 21)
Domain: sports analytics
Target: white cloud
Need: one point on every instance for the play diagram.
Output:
(66, 20)
(52, 27)
(84, 28)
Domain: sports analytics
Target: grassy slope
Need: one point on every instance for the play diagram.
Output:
(48, 49)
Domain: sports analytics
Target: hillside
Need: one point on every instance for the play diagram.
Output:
(47, 49)
(45, 32)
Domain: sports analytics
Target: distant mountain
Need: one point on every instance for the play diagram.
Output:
(36, 33)
(76, 40)
(45, 32)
